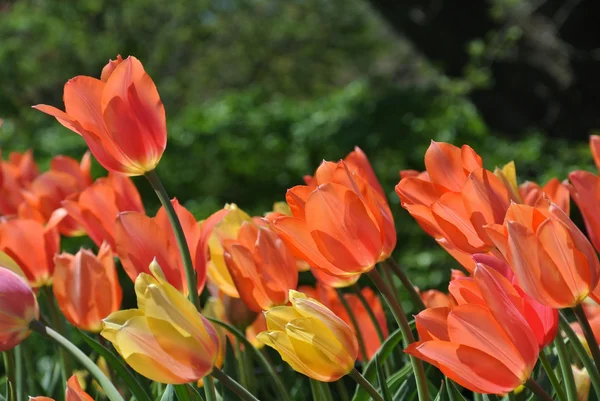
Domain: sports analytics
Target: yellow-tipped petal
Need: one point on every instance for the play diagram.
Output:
(115, 322)
(277, 317)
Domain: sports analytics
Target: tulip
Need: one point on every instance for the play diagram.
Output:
(488, 348)
(139, 239)
(582, 383)
(74, 392)
(556, 191)
(97, 207)
(86, 287)
(213, 308)
(311, 338)
(32, 246)
(553, 261)
(585, 192)
(437, 299)
(16, 173)
(121, 117)
(19, 305)
(261, 266)
(166, 340)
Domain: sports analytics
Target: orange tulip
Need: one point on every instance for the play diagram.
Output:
(556, 191)
(16, 173)
(437, 299)
(585, 190)
(121, 117)
(74, 392)
(553, 261)
(96, 208)
(488, 348)
(140, 239)
(261, 266)
(19, 305)
(87, 287)
(32, 246)
(66, 178)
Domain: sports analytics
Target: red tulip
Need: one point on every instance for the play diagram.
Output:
(121, 117)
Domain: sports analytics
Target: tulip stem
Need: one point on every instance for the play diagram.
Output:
(209, 388)
(588, 333)
(538, 390)
(232, 385)
(360, 379)
(565, 367)
(190, 273)
(581, 352)
(407, 335)
(109, 389)
(11, 376)
(370, 312)
(414, 295)
(57, 322)
(359, 336)
(560, 393)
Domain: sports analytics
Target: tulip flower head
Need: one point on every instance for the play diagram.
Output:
(166, 339)
(120, 117)
(311, 338)
(74, 392)
(87, 287)
(18, 304)
(16, 174)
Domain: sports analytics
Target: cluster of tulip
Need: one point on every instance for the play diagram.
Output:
(527, 268)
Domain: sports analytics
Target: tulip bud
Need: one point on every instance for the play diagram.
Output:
(311, 338)
(582, 383)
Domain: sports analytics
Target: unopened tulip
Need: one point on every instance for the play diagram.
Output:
(140, 239)
(32, 246)
(86, 287)
(311, 338)
(19, 305)
(74, 392)
(469, 339)
(121, 117)
(553, 261)
(582, 383)
(166, 340)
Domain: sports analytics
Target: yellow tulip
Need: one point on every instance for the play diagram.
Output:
(311, 338)
(166, 339)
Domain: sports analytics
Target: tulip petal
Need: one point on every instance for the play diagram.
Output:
(432, 324)
(466, 291)
(296, 198)
(444, 164)
(278, 316)
(75, 392)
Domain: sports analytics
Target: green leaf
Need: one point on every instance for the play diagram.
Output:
(385, 391)
(395, 380)
(194, 393)
(453, 393)
(168, 394)
(230, 368)
(442, 395)
(182, 392)
(119, 367)
(370, 370)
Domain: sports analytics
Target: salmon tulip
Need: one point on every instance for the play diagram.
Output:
(488, 348)
(553, 261)
(120, 117)
(19, 305)
(311, 338)
(139, 239)
(16, 174)
(261, 266)
(166, 340)
(86, 287)
(74, 392)
(282, 209)
(32, 246)
(556, 191)
(437, 299)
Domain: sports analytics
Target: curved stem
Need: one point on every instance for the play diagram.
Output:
(57, 322)
(407, 335)
(359, 336)
(414, 295)
(581, 352)
(232, 385)
(370, 312)
(184, 250)
(588, 333)
(560, 393)
(537, 390)
(209, 388)
(109, 389)
(360, 379)
(565, 366)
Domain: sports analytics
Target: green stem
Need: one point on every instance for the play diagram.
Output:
(209, 388)
(109, 389)
(190, 272)
(280, 387)
(407, 335)
(588, 333)
(11, 374)
(565, 366)
(364, 383)
(552, 376)
(370, 312)
(581, 352)
(414, 295)
(59, 326)
(241, 365)
(233, 385)
(359, 336)
(19, 387)
(477, 397)
(538, 390)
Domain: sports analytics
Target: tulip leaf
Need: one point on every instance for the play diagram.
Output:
(370, 370)
(194, 393)
(119, 367)
(385, 391)
(395, 380)
(442, 395)
(185, 392)
(453, 393)
(230, 368)
(168, 394)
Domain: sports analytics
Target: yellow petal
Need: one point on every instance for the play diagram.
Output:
(7, 262)
(278, 316)
(282, 207)
(115, 322)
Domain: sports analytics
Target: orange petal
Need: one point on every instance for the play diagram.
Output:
(75, 392)
(444, 164)
(296, 198)
(585, 191)
(432, 324)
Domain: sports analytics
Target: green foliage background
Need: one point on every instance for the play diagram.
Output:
(257, 93)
